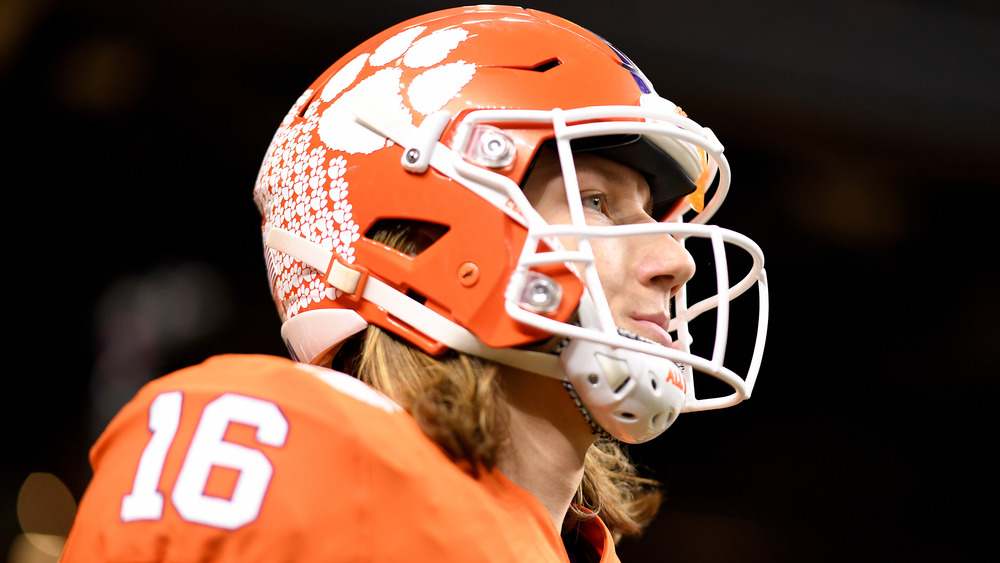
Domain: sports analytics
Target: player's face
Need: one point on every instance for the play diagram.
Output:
(639, 274)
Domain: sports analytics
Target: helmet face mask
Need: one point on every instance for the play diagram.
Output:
(439, 121)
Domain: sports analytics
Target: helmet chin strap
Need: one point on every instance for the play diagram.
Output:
(594, 427)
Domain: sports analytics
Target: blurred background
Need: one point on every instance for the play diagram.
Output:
(863, 139)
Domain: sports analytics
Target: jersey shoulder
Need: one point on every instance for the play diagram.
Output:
(292, 384)
(234, 448)
(254, 458)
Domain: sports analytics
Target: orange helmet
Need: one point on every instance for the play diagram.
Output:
(437, 121)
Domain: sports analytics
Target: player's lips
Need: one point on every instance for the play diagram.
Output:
(654, 327)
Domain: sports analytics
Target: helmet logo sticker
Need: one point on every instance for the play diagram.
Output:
(302, 187)
(344, 78)
(433, 49)
(427, 90)
(677, 380)
(337, 128)
(640, 79)
(392, 48)
(431, 90)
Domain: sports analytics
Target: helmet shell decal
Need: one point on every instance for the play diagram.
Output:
(401, 58)
(410, 75)
(645, 86)
(297, 170)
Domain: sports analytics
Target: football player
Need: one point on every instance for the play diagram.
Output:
(475, 229)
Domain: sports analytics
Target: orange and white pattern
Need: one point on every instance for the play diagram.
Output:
(410, 75)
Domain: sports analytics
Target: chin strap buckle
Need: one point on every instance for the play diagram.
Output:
(337, 273)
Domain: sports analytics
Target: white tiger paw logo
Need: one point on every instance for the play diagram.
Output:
(426, 91)
(298, 190)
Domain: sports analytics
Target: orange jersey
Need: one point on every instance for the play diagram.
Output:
(256, 458)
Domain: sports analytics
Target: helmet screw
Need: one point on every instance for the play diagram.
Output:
(593, 379)
(541, 293)
(494, 146)
(491, 147)
(468, 274)
(412, 156)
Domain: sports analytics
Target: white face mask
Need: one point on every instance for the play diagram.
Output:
(630, 387)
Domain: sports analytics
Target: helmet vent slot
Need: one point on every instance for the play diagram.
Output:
(547, 65)
(305, 107)
(543, 66)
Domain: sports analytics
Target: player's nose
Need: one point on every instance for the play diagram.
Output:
(662, 263)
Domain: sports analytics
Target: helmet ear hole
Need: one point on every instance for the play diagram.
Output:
(408, 236)
(416, 296)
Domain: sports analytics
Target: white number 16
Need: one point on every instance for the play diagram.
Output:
(207, 449)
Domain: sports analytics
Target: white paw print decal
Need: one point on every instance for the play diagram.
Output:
(394, 85)
(299, 190)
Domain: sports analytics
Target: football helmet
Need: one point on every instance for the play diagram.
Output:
(438, 120)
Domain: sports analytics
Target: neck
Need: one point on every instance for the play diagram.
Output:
(548, 441)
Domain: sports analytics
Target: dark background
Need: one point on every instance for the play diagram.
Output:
(863, 139)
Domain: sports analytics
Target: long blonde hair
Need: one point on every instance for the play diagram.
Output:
(458, 401)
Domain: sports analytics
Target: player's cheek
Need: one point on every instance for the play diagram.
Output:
(611, 257)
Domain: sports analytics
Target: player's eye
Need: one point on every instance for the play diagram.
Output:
(594, 202)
